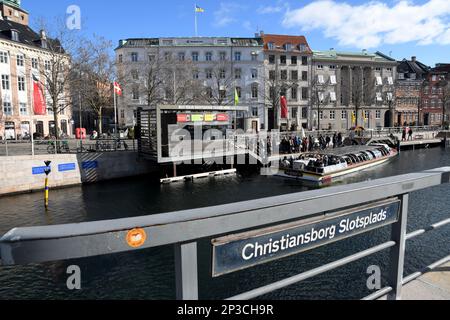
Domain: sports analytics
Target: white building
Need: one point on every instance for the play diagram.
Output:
(214, 70)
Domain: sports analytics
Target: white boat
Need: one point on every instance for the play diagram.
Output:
(323, 168)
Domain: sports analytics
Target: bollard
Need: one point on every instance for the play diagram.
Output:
(47, 171)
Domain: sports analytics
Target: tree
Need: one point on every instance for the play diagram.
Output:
(95, 69)
(220, 85)
(56, 74)
(317, 98)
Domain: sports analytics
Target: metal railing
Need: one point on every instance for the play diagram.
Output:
(64, 146)
(184, 229)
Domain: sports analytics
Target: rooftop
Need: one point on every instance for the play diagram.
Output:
(343, 55)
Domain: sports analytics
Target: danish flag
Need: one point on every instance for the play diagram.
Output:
(117, 89)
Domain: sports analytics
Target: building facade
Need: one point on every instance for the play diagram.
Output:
(436, 95)
(411, 77)
(351, 89)
(287, 65)
(23, 55)
(192, 71)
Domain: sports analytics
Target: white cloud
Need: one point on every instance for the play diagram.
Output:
(280, 6)
(374, 23)
(227, 14)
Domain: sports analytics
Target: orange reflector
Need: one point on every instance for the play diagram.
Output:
(136, 238)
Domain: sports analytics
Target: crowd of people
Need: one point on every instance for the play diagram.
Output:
(297, 144)
(407, 132)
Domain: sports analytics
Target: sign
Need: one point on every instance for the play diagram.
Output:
(209, 117)
(182, 118)
(197, 118)
(223, 117)
(39, 170)
(89, 165)
(66, 167)
(242, 251)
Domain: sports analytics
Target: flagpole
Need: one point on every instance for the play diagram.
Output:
(31, 115)
(115, 110)
(196, 25)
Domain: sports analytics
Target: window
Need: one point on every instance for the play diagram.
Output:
(321, 96)
(304, 61)
(195, 75)
(254, 112)
(23, 109)
(321, 79)
(332, 67)
(254, 73)
(21, 83)
(332, 115)
(222, 94)
(181, 56)
(390, 96)
(7, 109)
(208, 56)
(305, 93)
(390, 81)
(239, 92)
(294, 75)
(379, 97)
(194, 56)
(20, 60)
(320, 67)
(222, 73)
(3, 57)
(120, 58)
(271, 46)
(151, 58)
(333, 80)
(288, 47)
(47, 65)
(294, 60)
(283, 59)
(254, 56)
(302, 47)
(135, 93)
(135, 74)
(379, 81)
(209, 93)
(222, 56)
(378, 69)
(283, 74)
(344, 115)
(294, 94)
(5, 82)
(237, 56)
(272, 75)
(378, 114)
(304, 75)
(34, 63)
(122, 114)
(134, 57)
(14, 35)
(333, 96)
(321, 115)
(208, 73)
(254, 91)
(272, 59)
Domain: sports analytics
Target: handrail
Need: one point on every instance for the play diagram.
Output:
(184, 228)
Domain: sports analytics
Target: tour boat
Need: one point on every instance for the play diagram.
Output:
(326, 167)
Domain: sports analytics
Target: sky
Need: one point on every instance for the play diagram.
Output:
(399, 28)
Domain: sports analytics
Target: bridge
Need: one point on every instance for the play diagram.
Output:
(228, 226)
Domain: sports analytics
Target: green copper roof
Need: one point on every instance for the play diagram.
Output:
(13, 3)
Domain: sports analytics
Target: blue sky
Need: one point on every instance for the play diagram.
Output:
(397, 27)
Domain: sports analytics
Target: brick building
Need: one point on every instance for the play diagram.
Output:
(436, 95)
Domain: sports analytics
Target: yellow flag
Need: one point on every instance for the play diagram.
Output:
(199, 10)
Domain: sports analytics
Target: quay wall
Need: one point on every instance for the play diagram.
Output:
(21, 174)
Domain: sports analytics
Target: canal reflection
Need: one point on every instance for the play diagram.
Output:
(149, 274)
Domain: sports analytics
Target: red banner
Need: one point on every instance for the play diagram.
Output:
(284, 108)
(40, 108)
(223, 117)
(182, 118)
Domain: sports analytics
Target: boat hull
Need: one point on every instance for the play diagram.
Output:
(330, 177)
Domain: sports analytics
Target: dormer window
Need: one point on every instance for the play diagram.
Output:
(288, 47)
(271, 46)
(14, 35)
(44, 44)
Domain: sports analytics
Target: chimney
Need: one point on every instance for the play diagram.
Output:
(43, 35)
(261, 33)
(413, 58)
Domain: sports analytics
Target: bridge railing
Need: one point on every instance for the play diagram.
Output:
(184, 229)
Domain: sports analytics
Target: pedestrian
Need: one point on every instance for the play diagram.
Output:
(404, 134)
(410, 133)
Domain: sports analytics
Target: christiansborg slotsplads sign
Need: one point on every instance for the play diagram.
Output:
(241, 251)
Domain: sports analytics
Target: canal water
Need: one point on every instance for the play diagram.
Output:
(149, 274)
